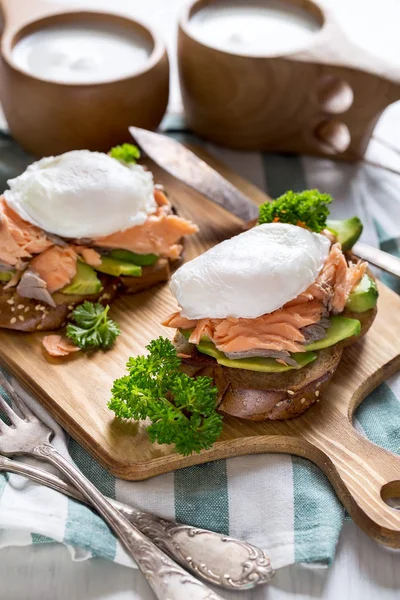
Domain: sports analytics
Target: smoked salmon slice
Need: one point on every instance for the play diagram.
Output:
(159, 234)
(19, 239)
(281, 329)
(55, 345)
(56, 266)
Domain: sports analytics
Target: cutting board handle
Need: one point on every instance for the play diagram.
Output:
(365, 477)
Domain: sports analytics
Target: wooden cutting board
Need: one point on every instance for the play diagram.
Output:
(76, 390)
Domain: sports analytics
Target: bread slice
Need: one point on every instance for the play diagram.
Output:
(24, 314)
(259, 396)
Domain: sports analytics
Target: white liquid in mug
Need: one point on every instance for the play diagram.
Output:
(254, 28)
(78, 54)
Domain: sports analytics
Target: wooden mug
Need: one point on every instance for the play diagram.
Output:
(322, 100)
(48, 117)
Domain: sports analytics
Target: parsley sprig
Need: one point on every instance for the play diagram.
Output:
(127, 153)
(93, 328)
(182, 410)
(308, 209)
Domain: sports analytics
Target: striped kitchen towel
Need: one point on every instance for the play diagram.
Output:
(281, 503)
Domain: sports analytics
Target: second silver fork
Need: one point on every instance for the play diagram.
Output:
(28, 435)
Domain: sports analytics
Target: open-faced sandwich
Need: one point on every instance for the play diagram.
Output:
(82, 226)
(267, 313)
(261, 327)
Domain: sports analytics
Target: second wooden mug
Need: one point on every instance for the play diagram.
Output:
(322, 99)
(50, 117)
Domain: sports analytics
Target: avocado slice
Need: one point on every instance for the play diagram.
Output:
(85, 281)
(364, 296)
(143, 260)
(264, 365)
(339, 329)
(347, 231)
(113, 266)
(5, 276)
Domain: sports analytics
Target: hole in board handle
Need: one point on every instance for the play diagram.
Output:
(390, 494)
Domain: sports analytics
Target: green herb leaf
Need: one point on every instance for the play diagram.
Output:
(92, 328)
(127, 153)
(182, 410)
(308, 209)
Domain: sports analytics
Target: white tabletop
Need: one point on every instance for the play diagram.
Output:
(362, 569)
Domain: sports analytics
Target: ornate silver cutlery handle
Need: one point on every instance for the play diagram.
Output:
(220, 560)
(168, 580)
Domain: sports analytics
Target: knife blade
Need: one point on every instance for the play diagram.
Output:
(183, 164)
(379, 258)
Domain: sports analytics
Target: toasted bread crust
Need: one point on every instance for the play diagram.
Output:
(24, 314)
(259, 396)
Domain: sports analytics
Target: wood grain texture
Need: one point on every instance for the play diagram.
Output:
(76, 390)
(298, 102)
(48, 118)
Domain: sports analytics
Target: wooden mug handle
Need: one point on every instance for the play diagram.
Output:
(364, 475)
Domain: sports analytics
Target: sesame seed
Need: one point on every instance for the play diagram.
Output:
(114, 287)
(39, 326)
(302, 400)
(318, 400)
(43, 308)
(279, 403)
(10, 301)
(20, 306)
(70, 307)
(26, 309)
(21, 318)
(290, 392)
(38, 307)
(317, 393)
(13, 320)
(13, 309)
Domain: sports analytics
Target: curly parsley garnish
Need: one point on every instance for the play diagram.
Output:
(93, 328)
(127, 153)
(182, 409)
(307, 209)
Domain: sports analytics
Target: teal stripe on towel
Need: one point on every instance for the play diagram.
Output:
(318, 514)
(37, 539)
(379, 416)
(84, 529)
(201, 496)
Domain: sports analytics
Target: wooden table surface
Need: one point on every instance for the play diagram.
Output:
(362, 569)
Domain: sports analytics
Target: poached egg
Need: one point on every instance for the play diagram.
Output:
(251, 274)
(82, 194)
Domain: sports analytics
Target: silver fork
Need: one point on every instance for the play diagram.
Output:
(218, 559)
(28, 436)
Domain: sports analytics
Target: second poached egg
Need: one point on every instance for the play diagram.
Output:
(82, 194)
(251, 274)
